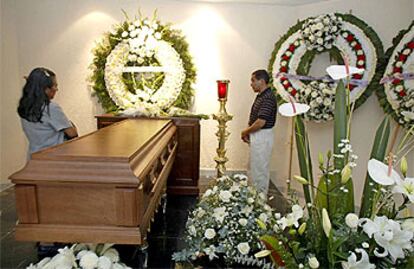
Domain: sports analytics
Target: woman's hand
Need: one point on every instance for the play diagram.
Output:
(71, 132)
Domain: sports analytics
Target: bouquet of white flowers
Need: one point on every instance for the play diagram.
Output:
(320, 32)
(321, 98)
(227, 223)
(84, 256)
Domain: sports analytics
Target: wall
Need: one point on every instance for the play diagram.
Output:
(227, 41)
(13, 143)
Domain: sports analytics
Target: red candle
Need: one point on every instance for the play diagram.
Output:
(222, 88)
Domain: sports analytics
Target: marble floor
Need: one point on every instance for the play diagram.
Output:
(166, 236)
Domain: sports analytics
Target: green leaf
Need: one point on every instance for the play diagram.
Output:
(321, 198)
(344, 202)
(378, 152)
(279, 252)
(305, 164)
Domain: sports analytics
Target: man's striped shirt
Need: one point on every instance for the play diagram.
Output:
(265, 108)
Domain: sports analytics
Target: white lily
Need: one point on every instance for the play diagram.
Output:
(380, 173)
(388, 234)
(291, 219)
(405, 187)
(220, 213)
(340, 71)
(363, 263)
(211, 252)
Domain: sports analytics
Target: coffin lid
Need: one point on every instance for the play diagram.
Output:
(115, 154)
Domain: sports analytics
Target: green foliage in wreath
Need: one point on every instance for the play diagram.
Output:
(111, 39)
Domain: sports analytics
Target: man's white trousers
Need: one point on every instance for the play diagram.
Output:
(261, 145)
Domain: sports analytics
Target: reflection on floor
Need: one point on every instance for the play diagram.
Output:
(166, 237)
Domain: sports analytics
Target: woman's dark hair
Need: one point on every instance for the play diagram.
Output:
(261, 74)
(34, 99)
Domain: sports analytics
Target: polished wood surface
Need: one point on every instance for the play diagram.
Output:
(184, 177)
(103, 187)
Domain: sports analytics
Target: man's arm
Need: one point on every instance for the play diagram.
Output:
(257, 125)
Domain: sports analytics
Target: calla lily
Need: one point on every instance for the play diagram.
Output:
(340, 71)
(293, 109)
(379, 172)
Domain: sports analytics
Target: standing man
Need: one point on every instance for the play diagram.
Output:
(260, 133)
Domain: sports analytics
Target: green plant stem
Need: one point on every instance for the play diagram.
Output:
(378, 208)
(316, 188)
(403, 205)
(327, 187)
(410, 148)
(350, 108)
(410, 132)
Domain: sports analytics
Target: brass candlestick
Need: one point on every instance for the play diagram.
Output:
(222, 134)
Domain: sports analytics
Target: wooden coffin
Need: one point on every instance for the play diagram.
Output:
(185, 172)
(102, 187)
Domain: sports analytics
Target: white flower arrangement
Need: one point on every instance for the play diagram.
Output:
(320, 32)
(238, 216)
(140, 42)
(143, 67)
(84, 256)
(321, 98)
(295, 51)
(399, 92)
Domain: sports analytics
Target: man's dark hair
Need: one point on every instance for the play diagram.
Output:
(261, 74)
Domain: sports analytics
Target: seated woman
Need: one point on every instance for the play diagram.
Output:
(43, 121)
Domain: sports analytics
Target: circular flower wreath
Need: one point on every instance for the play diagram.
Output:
(142, 67)
(397, 95)
(338, 34)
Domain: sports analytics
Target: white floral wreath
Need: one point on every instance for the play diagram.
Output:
(318, 34)
(140, 41)
(399, 90)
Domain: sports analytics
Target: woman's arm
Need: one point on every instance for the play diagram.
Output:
(71, 132)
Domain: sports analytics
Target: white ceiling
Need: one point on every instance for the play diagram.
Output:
(267, 2)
